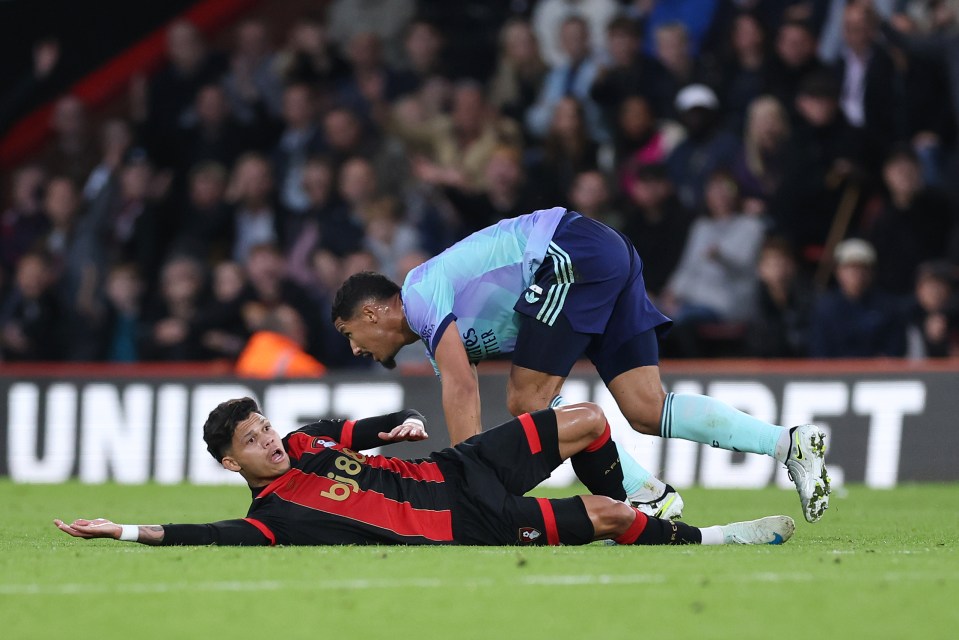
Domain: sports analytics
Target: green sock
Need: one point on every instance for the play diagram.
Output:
(709, 421)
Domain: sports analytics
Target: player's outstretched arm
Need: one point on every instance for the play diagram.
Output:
(461, 397)
(103, 528)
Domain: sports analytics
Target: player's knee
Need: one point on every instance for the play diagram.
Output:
(594, 419)
(612, 517)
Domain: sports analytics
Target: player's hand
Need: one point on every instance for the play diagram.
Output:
(98, 528)
(409, 431)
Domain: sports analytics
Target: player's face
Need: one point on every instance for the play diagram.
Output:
(257, 450)
(370, 338)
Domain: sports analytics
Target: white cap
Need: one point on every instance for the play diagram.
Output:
(696, 95)
(854, 251)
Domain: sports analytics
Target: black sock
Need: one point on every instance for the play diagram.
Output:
(597, 466)
(659, 531)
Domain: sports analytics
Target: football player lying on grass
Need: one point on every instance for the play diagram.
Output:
(313, 488)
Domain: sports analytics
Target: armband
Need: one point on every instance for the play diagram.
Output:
(130, 532)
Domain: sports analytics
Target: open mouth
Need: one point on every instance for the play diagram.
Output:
(277, 456)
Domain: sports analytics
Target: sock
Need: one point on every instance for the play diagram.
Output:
(709, 421)
(640, 484)
(598, 467)
(647, 530)
(713, 535)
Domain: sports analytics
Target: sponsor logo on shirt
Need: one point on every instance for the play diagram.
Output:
(480, 345)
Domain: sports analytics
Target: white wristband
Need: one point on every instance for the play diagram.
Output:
(130, 532)
(415, 421)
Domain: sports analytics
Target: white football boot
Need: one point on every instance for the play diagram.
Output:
(668, 506)
(768, 530)
(807, 468)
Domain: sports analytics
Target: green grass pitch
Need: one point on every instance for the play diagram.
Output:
(881, 564)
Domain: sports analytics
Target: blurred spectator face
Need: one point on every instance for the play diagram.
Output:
(357, 181)
(819, 111)
(33, 276)
(589, 193)
(291, 324)
(504, 171)
(650, 192)
(298, 106)
(181, 280)
(858, 29)
(357, 262)
(228, 281)
(317, 182)
(61, 202)
(622, 44)
(211, 105)
(518, 43)
(932, 292)
(574, 38)
(469, 109)
(672, 46)
(435, 94)
(342, 129)
(409, 262)
(123, 288)
(135, 180)
(854, 279)
(207, 186)
(327, 270)
(264, 266)
(636, 118)
(69, 117)
(567, 119)
(115, 138)
(423, 44)
(255, 179)
(902, 177)
(795, 45)
(28, 188)
(776, 266)
(365, 51)
(766, 123)
(308, 37)
(747, 35)
(722, 195)
(184, 45)
(251, 40)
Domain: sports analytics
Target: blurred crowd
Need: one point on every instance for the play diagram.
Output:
(786, 169)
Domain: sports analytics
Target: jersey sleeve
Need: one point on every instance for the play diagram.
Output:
(353, 434)
(428, 306)
(243, 533)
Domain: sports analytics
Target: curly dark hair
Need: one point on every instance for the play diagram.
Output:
(359, 288)
(221, 423)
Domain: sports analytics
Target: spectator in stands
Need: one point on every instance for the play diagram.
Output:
(822, 164)
(213, 134)
(257, 216)
(423, 46)
(746, 68)
(641, 140)
(169, 322)
(674, 53)
(29, 316)
(276, 349)
(657, 224)
(206, 226)
(346, 136)
(300, 139)
(253, 82)
(915, 225)
(589, 195)
(695, 17)
(357, 191)
(519, 70)
(566, 150)
(219, 322)
(868, 77)
(571, 79)
(116, 141)
(459, 145)
(707, 147)
(795, 58)
(167, 103)
(932, 318)
(856, 320)
(33, 88)
(760, 165)
(388, 236)
(321, 220)
(120, 325)
(387, 19)
(22, 224)
(780, 328)
(550, 15)
(373, 82)
(310, 57)
(628, 71)
(72, 153)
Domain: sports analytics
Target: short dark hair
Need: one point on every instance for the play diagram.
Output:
(359, 288)
(221, 423)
